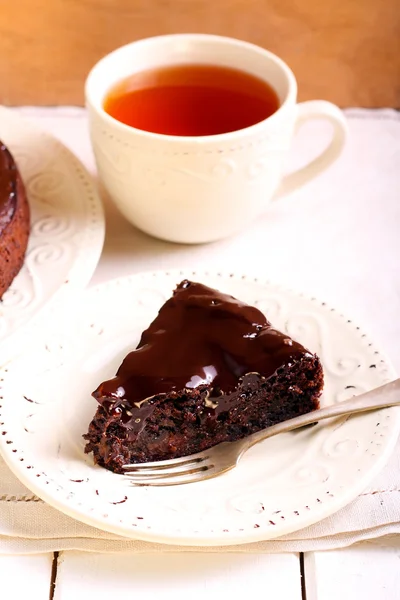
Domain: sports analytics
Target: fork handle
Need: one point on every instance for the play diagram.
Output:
(381, 397)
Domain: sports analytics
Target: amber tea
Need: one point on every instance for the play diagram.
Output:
(191, 100)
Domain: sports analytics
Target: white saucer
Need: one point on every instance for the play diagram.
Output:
(67, 224)
(283, 484)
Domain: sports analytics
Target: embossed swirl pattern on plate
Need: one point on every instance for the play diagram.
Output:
(67, 224)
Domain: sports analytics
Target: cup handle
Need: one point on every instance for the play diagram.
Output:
(316, 109)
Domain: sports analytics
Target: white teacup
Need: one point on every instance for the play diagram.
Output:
(201, 189)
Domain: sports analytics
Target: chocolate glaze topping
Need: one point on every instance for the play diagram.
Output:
(201, 339)
(8, 185)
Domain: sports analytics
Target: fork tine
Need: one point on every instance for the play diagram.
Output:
(171, 480)
(165, 472)
(165, 464)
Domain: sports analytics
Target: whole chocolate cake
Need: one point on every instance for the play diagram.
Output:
(14, 220)
(209, 369)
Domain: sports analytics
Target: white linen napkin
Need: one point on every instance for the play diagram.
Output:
(29, 525)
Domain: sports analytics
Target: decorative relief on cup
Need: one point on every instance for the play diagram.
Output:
(261, 166)
(155, 176)
(115, 157)
(218, 171)
(211, 170)
(224, 168)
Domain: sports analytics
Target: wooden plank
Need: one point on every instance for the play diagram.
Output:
(343, 51)
(26, 576)
(370, 571)
(177, 576)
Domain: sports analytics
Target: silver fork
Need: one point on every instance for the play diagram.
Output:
(225, 456)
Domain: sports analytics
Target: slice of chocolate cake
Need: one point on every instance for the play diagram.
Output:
(209, 369)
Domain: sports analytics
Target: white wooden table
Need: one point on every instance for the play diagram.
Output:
(368, 571)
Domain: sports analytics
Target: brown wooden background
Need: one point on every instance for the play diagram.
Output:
(347, 51)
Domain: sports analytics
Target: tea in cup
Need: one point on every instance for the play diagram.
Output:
(191, 133)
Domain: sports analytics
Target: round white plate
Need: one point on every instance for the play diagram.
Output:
(67, 223)
(281, 485)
